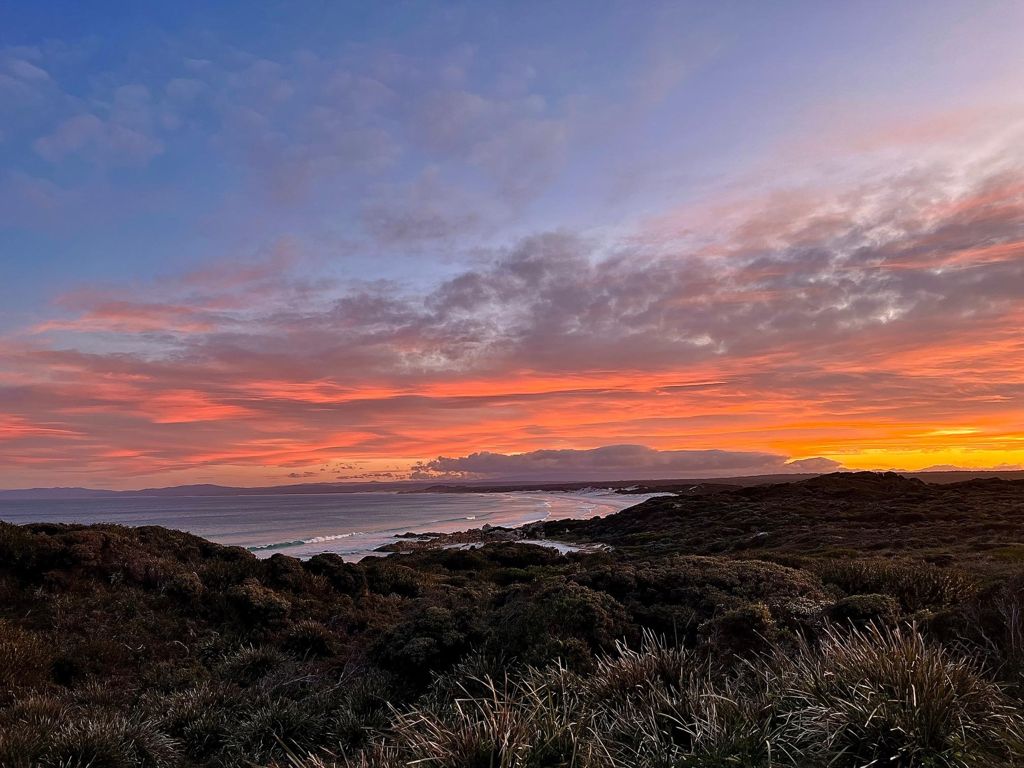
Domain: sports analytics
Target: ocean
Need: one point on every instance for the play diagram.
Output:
(349, 524)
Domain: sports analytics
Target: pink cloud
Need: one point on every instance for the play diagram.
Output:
(133, 317)
(857, 319)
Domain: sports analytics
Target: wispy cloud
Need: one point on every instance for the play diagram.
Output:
(837, 325)
(480, 238)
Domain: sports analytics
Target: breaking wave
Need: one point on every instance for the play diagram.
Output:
(385, 532)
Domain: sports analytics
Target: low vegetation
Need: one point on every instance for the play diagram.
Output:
(847, 621)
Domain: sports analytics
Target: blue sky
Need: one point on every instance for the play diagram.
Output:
(172, 175)
(197, 138)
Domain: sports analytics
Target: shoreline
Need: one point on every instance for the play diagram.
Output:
(532, 532)
(558, 506)
(305, 526)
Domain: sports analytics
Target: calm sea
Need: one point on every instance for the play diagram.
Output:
(349, 524)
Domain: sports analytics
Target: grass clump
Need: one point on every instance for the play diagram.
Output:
(857, 698)
(885, 696)
(915, 585)
(527, 723)
(109, 741)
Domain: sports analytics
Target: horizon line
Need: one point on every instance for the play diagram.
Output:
(515, 481)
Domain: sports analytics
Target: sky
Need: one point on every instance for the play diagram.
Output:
(255, 243)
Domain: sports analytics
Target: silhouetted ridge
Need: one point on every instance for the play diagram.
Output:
(982, 483)
(885, 483)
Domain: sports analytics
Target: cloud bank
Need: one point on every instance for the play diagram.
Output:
(446, 251)
(876, 323)
(615, 462)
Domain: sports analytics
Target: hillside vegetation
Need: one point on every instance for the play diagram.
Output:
(848, 620)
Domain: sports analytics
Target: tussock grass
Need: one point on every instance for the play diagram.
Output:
(915, 585)
(99, 739)
(249, 664)
(853, 699)
(532, 722)
(886, 696)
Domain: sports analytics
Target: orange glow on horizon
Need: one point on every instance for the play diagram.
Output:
(878, 324)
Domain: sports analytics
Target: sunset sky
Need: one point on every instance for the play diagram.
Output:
(266, 242)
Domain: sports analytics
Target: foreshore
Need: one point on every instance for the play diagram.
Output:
(560, 506)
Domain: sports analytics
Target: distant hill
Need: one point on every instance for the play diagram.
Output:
(45, 494)
(674, 485)
(29, 494)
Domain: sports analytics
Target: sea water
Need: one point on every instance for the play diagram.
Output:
(352, 525)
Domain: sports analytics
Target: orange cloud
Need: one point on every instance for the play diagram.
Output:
(878, 325)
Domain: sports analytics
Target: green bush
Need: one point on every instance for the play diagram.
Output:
(557, 620)
(915, 585)
(388, 578)
(741, 630)
(347, 578)
(431, 640)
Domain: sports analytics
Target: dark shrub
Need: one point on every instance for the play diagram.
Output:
(82, 548)
(885, 696)
(311, 639)
(77, 658)
(993, 623)
(271, 727)
(185, 585)
(463, 560)
(25, 660)
(230, 566)
(347, 578)
(432, 640)
(520, 554)
(387, 578)
(175, 673)
(507, 576)
(26, 727)
(146, 571)
(25, 552)
(365, 707)
(259, 605)
(915, 585)
(285, 572)
(860, 610)
(557, 620)
(740, 630)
